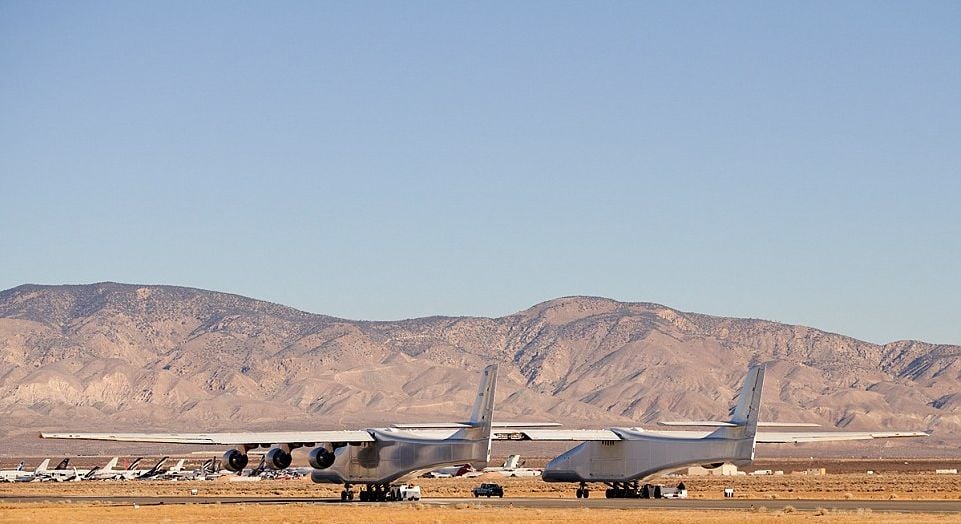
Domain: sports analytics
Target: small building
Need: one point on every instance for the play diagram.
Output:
(724, 470)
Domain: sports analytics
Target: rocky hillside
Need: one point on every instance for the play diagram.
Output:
(159, 357)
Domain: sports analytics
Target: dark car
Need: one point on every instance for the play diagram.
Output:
(489, 490)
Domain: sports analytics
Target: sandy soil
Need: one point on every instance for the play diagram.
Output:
(784, 487)
(887, 484)
(420, 513)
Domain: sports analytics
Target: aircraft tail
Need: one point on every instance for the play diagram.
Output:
(43, 466)
(62, 465)
(483, 410)
(111, 465)
(178, 467)
(156, 467)
(745, 415)
(481, 415)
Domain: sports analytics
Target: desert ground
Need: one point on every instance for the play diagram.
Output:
(423, 514)
(891, 480)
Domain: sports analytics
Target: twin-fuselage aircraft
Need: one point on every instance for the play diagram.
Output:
(617, 457)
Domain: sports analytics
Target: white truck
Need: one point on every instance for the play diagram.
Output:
(404, 492)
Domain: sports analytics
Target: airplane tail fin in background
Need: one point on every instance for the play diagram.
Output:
(43, 466)
(111, 465)
(62, 465)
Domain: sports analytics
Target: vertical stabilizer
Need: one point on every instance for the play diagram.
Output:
(43, 466)
(481, 416)
(749, 401)
(483, 409)
(111, 465)
(748, 405)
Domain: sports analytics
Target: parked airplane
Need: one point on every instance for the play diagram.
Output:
(374, 457)
(622, 457)
(514, 467)
(175, 472)
(152, 472)
(21, 475)
(452, 471)
(108, 471)
(60, 473)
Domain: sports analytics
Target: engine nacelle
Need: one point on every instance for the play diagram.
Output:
(278, 459)
(320, 458)
(234, 460)
(712, 466)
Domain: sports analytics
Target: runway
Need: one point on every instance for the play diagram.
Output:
(898, 506)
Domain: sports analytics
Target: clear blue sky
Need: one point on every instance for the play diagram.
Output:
(793, 161)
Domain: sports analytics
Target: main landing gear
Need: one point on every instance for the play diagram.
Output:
(583, 492)
(370, 493)
(624, 490)
(375, 493)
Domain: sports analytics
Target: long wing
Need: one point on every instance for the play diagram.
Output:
(785, 437)
(230, 439)
(557, 434)
(719, 424)
(764, 437)
(459, 425)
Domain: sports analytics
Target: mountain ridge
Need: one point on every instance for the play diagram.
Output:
(138, 356)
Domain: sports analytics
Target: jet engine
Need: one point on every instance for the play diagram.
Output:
(320, 458)
(234, 460)
(278, 458)
(712, 466)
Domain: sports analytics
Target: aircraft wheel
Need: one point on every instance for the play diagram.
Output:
(350, 495)
(578, 492)
(587, 493)
(343, 496)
